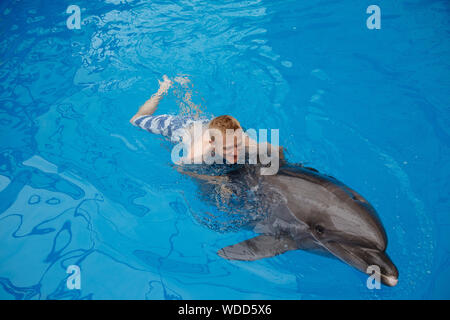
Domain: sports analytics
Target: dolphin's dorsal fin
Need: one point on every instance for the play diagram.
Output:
(259, 247)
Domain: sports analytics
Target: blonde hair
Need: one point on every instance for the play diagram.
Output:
(222, 123)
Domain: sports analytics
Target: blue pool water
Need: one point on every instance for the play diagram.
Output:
(80, 186)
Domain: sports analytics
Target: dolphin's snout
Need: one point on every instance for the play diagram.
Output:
(389, 272)
(389, 280)
(362, 258)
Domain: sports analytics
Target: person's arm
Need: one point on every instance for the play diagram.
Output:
(150, 106)
(208, 178)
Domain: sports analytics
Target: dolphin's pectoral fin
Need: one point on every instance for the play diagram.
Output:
(259, 247)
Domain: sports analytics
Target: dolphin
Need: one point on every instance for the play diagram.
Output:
(315, 212)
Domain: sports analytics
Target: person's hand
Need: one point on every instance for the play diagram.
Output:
(164, 85)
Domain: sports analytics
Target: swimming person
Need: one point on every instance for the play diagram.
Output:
(179, 128)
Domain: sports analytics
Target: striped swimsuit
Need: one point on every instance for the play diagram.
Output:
(171, 126)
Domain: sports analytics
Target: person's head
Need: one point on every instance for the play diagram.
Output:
(227, 149)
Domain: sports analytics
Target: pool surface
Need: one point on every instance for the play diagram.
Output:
(79, 185)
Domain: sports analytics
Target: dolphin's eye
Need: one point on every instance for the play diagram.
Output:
(319, 229)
